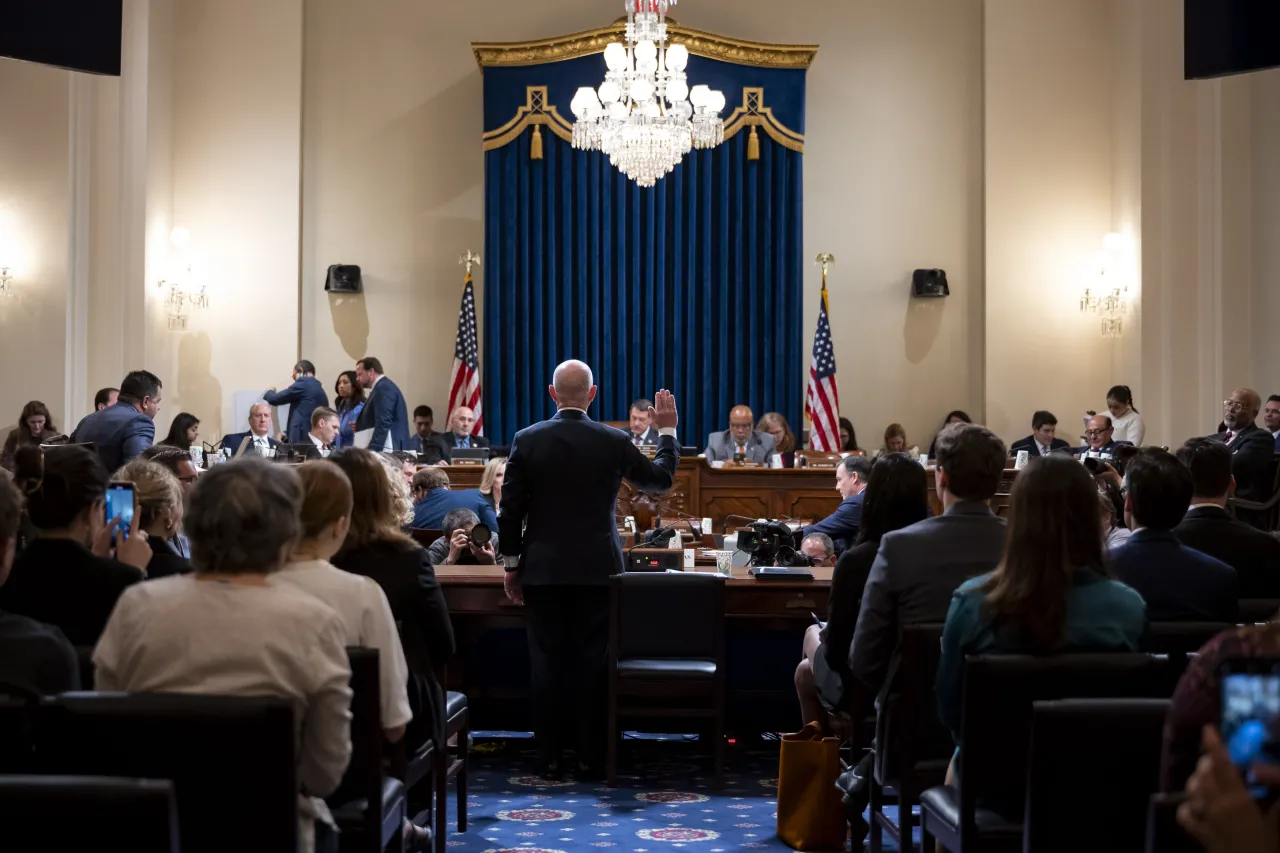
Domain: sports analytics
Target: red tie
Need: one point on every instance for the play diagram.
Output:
(1230, 436)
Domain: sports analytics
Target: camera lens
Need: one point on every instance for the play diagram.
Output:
(481, 535)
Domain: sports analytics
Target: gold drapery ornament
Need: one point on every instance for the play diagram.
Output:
(753, 145)
(535, 144)
(753, 113)
(537, 112)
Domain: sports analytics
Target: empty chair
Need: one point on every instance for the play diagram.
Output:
(1182, 638)
(1259, 609)
(137, 815)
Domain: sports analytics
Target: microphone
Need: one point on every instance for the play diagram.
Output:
(749, 518)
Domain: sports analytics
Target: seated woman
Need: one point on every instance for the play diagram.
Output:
(184, 432)
(377, 548)
(1051, 592)
(895, 498)
(159, 500)
(491, 482)
(67, 576)
(227, 629)
(895, 441)
(956, 417)
(784, 440)
(35, 426)
(848, 438)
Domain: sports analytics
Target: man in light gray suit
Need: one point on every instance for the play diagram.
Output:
(740, 437)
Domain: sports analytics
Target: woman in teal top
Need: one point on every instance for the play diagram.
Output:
(1051, 592)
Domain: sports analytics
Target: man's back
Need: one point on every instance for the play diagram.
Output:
(120, 432)
(1178, 583)
(429, 512)
(1253, 554)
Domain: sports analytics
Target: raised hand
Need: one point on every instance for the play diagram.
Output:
(663, 414)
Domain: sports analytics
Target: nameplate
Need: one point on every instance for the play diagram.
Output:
(744, 464)
(459, 462)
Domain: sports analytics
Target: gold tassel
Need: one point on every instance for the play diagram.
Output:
(753, 145)
(535, 145)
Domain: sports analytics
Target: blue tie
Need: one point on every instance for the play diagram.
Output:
(465, 443)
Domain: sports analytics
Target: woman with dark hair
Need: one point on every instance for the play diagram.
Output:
(895, 498)
(35, 426)
(848, 438)
(348, 399)
(376, 547)
(67, 576)
(1126, 423)
(184, 432)
(1050, 593)
(784, 440)
(956, 417)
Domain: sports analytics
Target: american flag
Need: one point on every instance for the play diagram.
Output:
(822, 400)
(464, 383)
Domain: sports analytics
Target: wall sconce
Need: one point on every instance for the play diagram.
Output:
(184, 291)
(1109, 272)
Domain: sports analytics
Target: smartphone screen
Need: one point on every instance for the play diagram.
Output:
(1251, 715)
(120, 503)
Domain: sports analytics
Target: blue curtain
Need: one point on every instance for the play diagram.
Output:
(693, 285)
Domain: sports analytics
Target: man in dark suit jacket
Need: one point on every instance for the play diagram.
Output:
(643, 433)
(1097, 436)
(560, 545)
(1043, 440)
(258, 439)
(1252, 450)
(303, 397)
(1178, 583)
(122, 431)
(385, 411)
(461, 423)
(433, 500)
(740, 437)
(851, 482)
(1209, 528)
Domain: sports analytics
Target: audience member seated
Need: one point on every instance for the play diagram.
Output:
(956, 417)
(491, 482)
(643, 433)
(1209, 528)
(349, 400)
(848, 438)
(424, 420)
(407, 464)
(842, 525)
(228, 630)
(303, 397)
(819, 548)
(461, 424)
(122, 431)
(895, 441)
(34, 657)
(183, 432)
(158, 507)
(1271, 418)
(1178, 584)
(35, 426)
(894, 499)
(1098, 437)
(1111, 516)
(740, 440)
(784, 440)
(324, 431)
(433, 500)
(377, 548)
(400, 489)
(1252, 450)
(179, 463)
(1126, 423)
(105, 397)
(455, 548)
(258, 440)
(1050, 593)
(58, 579)
(1043, 439)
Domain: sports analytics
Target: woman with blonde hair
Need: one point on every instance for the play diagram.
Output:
(398, 488)
(159, 498)
(784, 440)
(895, 441)
(491, 482)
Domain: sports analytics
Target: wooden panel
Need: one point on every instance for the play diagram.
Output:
(813, 505)
(465, 476)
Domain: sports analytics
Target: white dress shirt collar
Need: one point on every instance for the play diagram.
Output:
(318, 443)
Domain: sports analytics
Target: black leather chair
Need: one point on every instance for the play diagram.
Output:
(666, 653)
(230, 758)
(984, 811)
(1094, 765)
(368, 806)
(1182, 640)
(18, 709)
(1164, 835)
(84, 657)
(913, 748)
(1264, 514)
(451, 763)
(138, 815)
(1258, 609)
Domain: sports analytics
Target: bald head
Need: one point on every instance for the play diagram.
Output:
(572, 385)
(741, 422)
(1241, 408)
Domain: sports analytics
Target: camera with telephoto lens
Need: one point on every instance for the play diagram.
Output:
(771, 543)
(480, 535)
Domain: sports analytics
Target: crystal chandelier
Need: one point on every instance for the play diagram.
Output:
(644, 115)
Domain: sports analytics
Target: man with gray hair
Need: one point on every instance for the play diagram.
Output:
(819, 548)
(456, 547)
(560, 545)
(258, 439)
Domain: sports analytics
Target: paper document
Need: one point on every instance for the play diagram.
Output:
(363, 437)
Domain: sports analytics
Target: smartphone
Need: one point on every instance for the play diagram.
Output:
(120, 504)
(1251, 715)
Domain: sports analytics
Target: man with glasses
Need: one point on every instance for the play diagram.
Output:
(1097, 436)
(1252, 449)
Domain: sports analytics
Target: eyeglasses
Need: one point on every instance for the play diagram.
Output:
(1232, 405)
(1097, 432)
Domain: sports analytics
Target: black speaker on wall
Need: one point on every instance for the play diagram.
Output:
(343, 278)
(82, 35)
(929, 283)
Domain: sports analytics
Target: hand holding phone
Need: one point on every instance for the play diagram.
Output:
(119, 508)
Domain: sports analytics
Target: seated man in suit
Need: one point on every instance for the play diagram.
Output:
(1252, 450)
(123, 430)
(819, 548)
(324, 429)
(461, 422)
(1042, 440)
(455, 547)
(258, 439)
(851, 483)
(433, 500)
(1271, 418)
(303, 397)
(1097, 436)
(1209, 528)
(740, 438)
(384, 411)
(1179, 584)
(642, 432)
(424, 420)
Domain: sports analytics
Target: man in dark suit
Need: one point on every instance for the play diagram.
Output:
(560, 545)
(1097, 437)
(1178, 583)
(1210, 529)
(433, 500)
(851, 483)
(303, 397)
(125, 429)
(741, 437)
(1271, 418)
(423, 421)
(258, 439)
(1252, 450)
(384, 412)
(1043, 439)
(461, 422)
(643, 433)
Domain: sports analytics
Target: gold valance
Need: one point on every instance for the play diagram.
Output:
(536, 112)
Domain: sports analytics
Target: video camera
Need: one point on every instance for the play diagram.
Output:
(772, 543)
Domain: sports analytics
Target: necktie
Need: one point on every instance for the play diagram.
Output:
(742, 448)
(1230, 435)
(465, 443)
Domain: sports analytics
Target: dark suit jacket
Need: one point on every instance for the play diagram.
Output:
(560, 495)
(1178, 583)
(442, 445)
(911, 581)
(648, 438)
(1109, 447)
(302, 397)
(386, 414)
(721, 446)
(841, 525)
(1253, 554)
(62, 583)
(1252, 449)
(417, 603)
(1033, 447)
(165, 559)
(429, 512)
(121, 432)
(236, 439)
